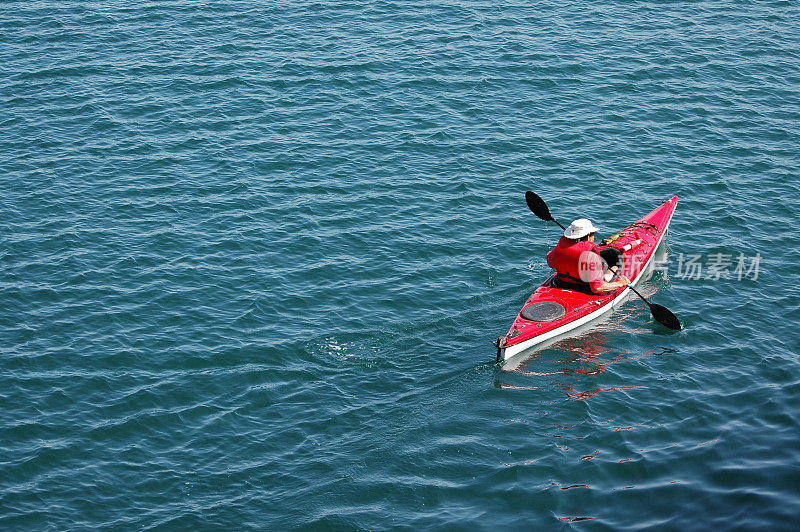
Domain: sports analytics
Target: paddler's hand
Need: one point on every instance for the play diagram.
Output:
(624, 280)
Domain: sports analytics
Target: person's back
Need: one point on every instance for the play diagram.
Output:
(577, 261)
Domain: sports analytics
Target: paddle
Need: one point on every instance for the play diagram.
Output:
(661, 314)
(539, 208)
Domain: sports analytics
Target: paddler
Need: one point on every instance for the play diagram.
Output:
(579, 262)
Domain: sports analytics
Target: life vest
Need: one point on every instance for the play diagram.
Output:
(578, 262)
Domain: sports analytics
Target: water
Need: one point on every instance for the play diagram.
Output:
(253, 256)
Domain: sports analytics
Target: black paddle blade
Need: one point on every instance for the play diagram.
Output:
(665, 317)
(538, 206)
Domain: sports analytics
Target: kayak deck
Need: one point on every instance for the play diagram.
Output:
(551, 312)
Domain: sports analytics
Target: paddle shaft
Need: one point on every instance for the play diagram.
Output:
(635, 291)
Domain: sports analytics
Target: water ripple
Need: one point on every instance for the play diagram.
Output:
(253, 256)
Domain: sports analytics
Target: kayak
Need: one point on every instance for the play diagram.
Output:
(552, 313)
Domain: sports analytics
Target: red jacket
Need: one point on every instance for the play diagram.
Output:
(578, 261)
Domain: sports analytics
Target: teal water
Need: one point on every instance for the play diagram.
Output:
(253, 255)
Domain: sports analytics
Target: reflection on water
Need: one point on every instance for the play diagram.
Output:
(586, 355)
(588, 394)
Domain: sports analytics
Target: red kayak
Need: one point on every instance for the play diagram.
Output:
(552, 313)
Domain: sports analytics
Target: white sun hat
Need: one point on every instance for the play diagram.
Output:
(579, 229)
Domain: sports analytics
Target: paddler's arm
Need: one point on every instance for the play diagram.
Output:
(608, 287)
